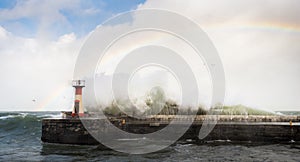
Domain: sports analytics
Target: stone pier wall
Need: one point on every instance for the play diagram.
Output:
(72, 131)
(65, 131)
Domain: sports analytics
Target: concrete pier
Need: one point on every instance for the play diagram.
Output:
(233, 128)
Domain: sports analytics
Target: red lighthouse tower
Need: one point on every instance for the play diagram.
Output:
(78, 109)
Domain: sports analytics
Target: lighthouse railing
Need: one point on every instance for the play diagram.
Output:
(78, 83)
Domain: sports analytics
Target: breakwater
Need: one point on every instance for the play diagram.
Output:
(233, 128)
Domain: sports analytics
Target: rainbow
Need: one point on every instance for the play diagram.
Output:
(264, 26)
(258, 25)
(55, 94)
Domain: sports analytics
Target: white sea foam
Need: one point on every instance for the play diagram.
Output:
(50, 116)
(8, 116)
(23, 114)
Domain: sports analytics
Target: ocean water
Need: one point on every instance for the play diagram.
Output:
(20, 134)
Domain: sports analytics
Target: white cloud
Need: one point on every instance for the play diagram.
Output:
(46, 13)
(257, 42)
(41, 10)
(47, 19)
(67, 38)
(91, 11)
(40, 69)
(3, 33)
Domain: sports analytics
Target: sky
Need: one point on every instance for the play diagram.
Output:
(257, 40)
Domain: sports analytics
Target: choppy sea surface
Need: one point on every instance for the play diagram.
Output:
(20, 134)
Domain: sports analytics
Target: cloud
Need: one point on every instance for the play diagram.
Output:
(40, 69)
(42, 13)
(49, 19)
(91, 11)
(257, 42)
(222, 11)
(39, 43)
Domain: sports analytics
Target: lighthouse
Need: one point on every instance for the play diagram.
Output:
(78, 108)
